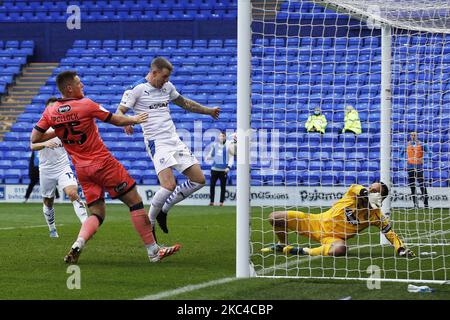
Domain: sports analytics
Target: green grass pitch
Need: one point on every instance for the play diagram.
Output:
(114, 264)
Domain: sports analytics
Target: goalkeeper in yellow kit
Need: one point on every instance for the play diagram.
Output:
(359, 208)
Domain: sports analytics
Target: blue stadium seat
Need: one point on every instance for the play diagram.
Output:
(110, 136)
(366, 178)
(200, 43)
(149, 177)
(124, 44)
(12, 44)
(312, 178)
(256, 178)
(347, 178)
(329, 179)
(14, 155)
(139, 44)
(230, 43)
(334, 165)
(298, 165)
(5, 164)
(312, 138)
(315, 165)
(9, 136)
(136, 174)
(169, 43)
(400, 178)
(353, 165)
(12, 176)
(340, 155)
(347, 137)
(356, 156)
(154, 43)
(330, 137)
(22, 146)
(109, 44)
(21, 164)
(142, 164)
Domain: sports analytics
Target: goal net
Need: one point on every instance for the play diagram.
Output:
(386, 63)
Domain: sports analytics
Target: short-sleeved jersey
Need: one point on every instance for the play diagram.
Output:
(53, 160)
(143, 97)
(341, 220)
(74, 124)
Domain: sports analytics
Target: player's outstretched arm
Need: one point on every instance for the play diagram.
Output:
(37, 136)
(383, 223)
(192, 106)
(121, 110)
(41, 145)
(122, 121)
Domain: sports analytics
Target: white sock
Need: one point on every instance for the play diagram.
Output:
(79, 243)
(181, 192)
(157, 203)
(152, 249)
(49, 214)
(80, 210)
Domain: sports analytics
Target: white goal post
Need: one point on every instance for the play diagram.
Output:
(389, 60)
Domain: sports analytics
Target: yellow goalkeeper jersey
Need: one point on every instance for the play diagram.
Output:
(342, 221)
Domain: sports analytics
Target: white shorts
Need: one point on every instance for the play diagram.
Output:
(49, 180)
(170, 153)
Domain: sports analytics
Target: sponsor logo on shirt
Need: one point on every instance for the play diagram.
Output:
(158, 105)
(63, 109)
(120, 187)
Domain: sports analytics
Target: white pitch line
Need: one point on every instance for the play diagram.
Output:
(190, 288)
(185, 289)
(28, 227)
(263, 272)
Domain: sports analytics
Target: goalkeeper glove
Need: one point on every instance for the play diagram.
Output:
(402, 252)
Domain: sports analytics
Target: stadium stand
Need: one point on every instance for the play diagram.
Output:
(205, 70)
(13, 55)
(127, 10)
(108, 66)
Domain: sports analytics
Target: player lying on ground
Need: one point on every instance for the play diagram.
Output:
(355, 211)
(73, 120)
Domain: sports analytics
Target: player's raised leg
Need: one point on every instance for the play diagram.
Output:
(196, 180)
(168, 185)
(78, 205)
(69, 184)
(144, 228)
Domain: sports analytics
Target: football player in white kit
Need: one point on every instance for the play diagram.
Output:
(152, 94)
(54, 168)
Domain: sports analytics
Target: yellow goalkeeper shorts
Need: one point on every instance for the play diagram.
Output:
(305, 224)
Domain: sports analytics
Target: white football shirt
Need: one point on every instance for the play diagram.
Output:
(143, 97)
(53, 160)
